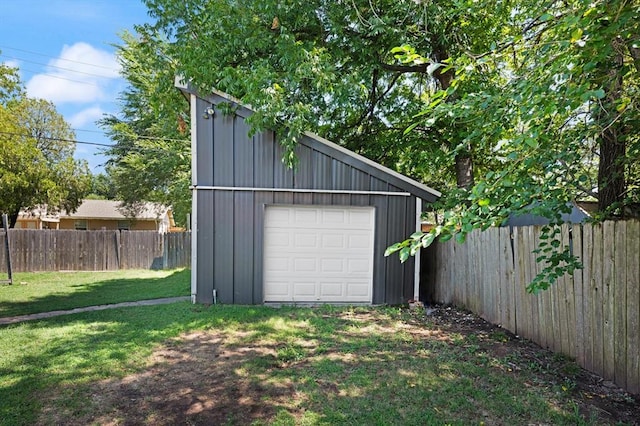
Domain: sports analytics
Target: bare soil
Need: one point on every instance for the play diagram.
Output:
(200, 378)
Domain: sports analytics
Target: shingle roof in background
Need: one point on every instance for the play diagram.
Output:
(107, 209)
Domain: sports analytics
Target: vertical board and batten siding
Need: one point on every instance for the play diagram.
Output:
(71, 250)
(243, 214)
(592, 316)
(230, 223)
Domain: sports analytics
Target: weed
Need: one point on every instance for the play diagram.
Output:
(499, 336)
(290, 353)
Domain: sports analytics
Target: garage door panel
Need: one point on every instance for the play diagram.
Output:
(305, 217)
(277, 264)
(279, 216)
(360, 219)
(333, 241)
(332, 289)
(305, 265)
(318, 254)
(358, 241)
(336, 218)
(304, 289)
(280, 289)
(359, 266)
(328, 265)
(306, 240)
(357, 289)
(279, 238)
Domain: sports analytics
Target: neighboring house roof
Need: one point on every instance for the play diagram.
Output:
(108, 209)
(38, 213)
(99, 209)
(577, 215)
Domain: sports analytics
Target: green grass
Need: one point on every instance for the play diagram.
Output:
(342, 365)
(51, 291)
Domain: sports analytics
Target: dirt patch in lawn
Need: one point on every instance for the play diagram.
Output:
(193, 380)
(211, 378)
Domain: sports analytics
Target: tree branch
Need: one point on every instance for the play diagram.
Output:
(420, 68)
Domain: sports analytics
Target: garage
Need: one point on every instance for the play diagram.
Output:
(318, 254)
(263, 232)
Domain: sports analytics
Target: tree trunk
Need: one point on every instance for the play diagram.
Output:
(464, 171)
(13, 218)
(464, 160)
(611, 167)
(611, 179)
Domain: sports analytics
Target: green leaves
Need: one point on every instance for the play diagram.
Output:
(36, 156)
(151, 158)
(576, 35)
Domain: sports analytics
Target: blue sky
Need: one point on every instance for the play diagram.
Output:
(64, 53)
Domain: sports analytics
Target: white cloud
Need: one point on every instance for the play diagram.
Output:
(81, 74)
(12, 63)
(86, 117)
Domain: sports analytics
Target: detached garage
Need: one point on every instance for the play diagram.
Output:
(263, 233)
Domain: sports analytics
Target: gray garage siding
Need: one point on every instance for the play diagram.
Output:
(230, 221)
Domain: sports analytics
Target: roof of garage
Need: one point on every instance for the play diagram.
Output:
(330, 149)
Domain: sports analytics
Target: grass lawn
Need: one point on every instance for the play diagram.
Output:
(185, 364)
(52, 291)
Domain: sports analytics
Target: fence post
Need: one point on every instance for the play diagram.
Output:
(165, 250)
(118, 253)
(7, 247)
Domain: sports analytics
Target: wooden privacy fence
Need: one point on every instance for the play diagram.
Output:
(592, 316)
(56, 250)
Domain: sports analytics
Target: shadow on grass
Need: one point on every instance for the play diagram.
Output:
(186, 364)
(100, 292)
(62, 356)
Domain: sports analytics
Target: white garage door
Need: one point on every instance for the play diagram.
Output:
(318, 254)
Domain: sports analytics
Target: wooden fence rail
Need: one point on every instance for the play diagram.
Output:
(55, 250)
(592, 316)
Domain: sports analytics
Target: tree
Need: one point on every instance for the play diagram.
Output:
(10, 86)
(511, 107)
(564, 111)
(36, 155)
(102, 187)
(150, 160)
(328, 67)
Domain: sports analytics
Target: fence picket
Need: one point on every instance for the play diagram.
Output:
(620, 307)
(596, 286)
(633, 306)
(568, 306)
(608, 295)
(576, 233)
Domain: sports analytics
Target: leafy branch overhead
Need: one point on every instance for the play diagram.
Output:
(558, 117)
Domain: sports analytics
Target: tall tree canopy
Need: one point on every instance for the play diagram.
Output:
(150, 160)
(328, 67)
(510, 106)
(36, 154)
